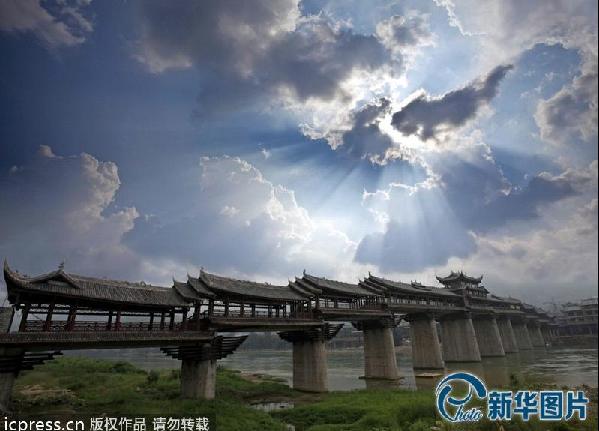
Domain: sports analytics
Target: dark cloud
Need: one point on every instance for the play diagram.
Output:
(411, 248)
(478, 199)
(254, 50)
(570, 115)
(426, 116)
(55, 23)
(365, 139)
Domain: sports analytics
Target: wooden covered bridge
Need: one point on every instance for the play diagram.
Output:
(189, 321)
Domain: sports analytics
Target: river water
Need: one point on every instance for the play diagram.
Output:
(562, 366)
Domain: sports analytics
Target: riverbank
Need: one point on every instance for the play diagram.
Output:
(81, 386)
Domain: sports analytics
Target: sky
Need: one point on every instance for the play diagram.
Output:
(144, 140)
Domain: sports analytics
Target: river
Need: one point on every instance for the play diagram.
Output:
(562, 366)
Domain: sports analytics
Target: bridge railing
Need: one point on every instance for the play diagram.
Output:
(98, 326)
(253, 314)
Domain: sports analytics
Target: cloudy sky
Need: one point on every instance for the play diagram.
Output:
(144, 140)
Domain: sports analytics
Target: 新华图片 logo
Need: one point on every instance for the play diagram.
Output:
(549, 405)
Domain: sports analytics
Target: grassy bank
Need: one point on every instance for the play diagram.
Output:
(95, 387)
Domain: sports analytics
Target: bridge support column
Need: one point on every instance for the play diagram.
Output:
(508, 338)
(487, 336)
(310, 357)
(310, 366)
(198, 378)
(536, 338)
(546, 332)
(8, 377)
(426, 349)
(522, 335)
(380, 361)
(459, 339)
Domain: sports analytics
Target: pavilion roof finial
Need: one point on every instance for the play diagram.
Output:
(61, 265)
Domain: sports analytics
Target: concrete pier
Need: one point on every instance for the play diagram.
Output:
(426, 349)
(508, 338)
(459, 339)
(198, 378)
(380, 361)
(488, 336)
(536, 338)
(522, 335)
(7, 379)
(310, 365)
(546, 332)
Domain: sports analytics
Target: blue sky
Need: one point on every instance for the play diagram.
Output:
(144, 140)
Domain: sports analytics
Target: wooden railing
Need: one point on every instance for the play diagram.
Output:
(97, 326)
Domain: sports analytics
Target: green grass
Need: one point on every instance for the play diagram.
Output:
(94, 387)
(81, 386)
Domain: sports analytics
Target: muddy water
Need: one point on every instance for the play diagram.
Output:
(563, 366)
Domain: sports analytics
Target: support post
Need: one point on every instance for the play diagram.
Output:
(536, 338)
(7, 379)
(426, 349)
(522, 335)
(198, 378)
(310, 357)
(508, 338)
(380, 361)
(487, 336)
(310, 365)
(459, 339)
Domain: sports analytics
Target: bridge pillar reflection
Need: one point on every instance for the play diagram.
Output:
(522, 335)
(508, 337)
(310, 357)
(380, 360)
(459, 339)
(536, 338)
(426, 349)
(488, 336)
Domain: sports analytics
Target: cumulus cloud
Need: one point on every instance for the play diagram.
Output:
(507, 28)
(238, 222)
(56, 208)
(429, 224)
(252, 52)
(56, 23)
(570, 115)
(427, 116)
(405, 35)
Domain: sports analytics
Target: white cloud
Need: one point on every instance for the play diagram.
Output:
(56, 208)
(570, 115)
(66, 26)
(242, 224)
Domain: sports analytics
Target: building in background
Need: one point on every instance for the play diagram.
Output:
(578, 318)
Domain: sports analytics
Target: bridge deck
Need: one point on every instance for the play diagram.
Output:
(101, 340)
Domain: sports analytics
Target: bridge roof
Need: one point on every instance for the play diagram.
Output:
(73, 287)
(410, 288)
(332, 287)
(454, 276)
(225, 286)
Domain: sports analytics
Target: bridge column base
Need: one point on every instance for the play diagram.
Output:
(310, 366)
(536, 338)
(508, 338)
(522, 335)
(426, 349)
(459, 339)
(198, 379)
(488, 337)
(380, 361)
